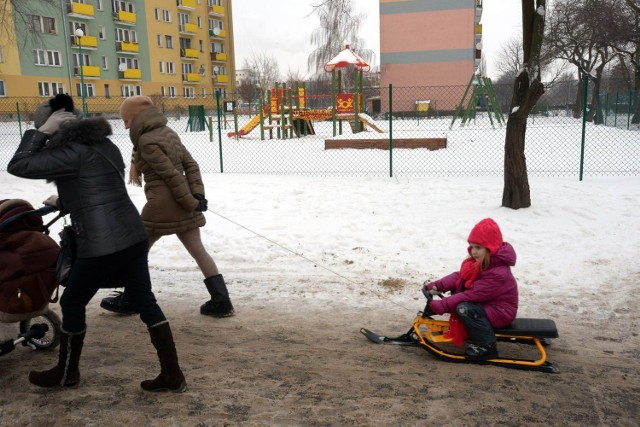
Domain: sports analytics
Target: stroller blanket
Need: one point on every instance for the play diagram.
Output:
(27, 264)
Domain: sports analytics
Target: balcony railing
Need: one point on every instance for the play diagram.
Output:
(218, 56)
(191, 77)
(127, 47)
(188, 28)
(217, 10)
(81, 10)
(187, 4)
(189, 53)
(87, 42)
(131, 74)
(221, 78)
(87, 71)
(124, 17)
(218, 33)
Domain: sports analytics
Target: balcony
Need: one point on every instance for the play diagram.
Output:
(128, 47)
(131, 74)
(123, 17)
(221, 78)
(88, 71)
(217, 10)
(191, 78)
(86, 42)
(81, 10)
(187, 5)
(218, 56)
(188, 28)
(189, 54)
(478, 28)
(217, 33)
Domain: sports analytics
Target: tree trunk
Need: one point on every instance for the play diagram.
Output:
(635, 119)
(516, 192)
(577, 105)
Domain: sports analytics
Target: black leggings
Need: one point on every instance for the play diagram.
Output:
(475, 321)
(128, 267)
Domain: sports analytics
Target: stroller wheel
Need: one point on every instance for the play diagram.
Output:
(52, 337)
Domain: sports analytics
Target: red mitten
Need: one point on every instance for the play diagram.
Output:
(439, 306)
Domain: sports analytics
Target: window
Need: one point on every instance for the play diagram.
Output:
(130, 63)
(99, 5)
(157, 13)
(105, 63)
(171, 68)
(166, 15)
(159, 40)
(126, 6)
(130, 90)
(199, 21)
(188, 92)
(124, 35)
(201, 46)
(172, 91)
(42, 24)
(204, 92)
(102, 34)
(1, 55)
(50, 88)
(3, 92)
(168, 41)
(162, 67)
(107, 91)
(49, 58)
(89, 90)
(217, 47)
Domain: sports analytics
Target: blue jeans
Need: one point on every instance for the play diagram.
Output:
(128, 267)
(475, 321)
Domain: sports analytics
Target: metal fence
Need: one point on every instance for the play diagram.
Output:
(405, 131)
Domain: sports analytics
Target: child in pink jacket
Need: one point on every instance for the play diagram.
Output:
(484, 293)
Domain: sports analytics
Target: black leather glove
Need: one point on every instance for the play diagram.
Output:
(202, 202)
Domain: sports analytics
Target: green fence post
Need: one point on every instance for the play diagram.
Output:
(390, 131)
(219, 128)
(584, 123)
(629, 112)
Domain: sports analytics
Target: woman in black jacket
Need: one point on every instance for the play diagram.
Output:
(112, 245)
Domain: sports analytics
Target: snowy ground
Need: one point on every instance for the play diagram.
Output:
(311, 260)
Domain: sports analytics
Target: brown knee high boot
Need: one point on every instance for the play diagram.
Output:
(66, 372)
(220, 304)
(171, 377)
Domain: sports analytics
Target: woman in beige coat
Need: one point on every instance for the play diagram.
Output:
(175, 197)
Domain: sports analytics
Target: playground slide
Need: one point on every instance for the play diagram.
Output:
(368, 120)
(251, 125)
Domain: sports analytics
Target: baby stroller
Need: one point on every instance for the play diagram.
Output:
(28, 258)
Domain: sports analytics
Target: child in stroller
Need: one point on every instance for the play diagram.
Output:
(27, 275)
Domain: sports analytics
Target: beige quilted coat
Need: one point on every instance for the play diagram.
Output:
(170, 174)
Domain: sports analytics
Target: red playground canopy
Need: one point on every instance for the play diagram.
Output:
(344, 58)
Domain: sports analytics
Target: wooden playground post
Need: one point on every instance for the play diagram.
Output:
(339, 91)
(291, 124)
(334, 97)
(282, 112)
(261, 115)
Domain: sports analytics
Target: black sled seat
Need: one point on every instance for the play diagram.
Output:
(541, 328)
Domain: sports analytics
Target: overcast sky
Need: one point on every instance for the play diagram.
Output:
(283, 29)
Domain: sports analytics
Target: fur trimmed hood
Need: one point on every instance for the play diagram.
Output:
(83, 131)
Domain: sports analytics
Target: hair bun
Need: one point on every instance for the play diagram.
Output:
(61, 101)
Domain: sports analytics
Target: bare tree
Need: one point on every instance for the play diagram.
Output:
(264, 69)
(630, 53)
(18, 11)
(527, 89)
(509, 58)
(339, 24)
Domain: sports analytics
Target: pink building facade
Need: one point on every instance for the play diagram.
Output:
(432, 43)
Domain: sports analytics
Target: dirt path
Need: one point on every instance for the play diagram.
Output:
(279, 362)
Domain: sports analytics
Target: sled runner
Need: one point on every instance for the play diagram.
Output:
(429, 333)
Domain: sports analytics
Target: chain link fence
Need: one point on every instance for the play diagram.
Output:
(403, 131)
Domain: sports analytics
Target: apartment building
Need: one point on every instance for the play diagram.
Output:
(119, 48)
(429, 43)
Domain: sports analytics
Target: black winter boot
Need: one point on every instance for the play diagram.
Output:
(118, 303)
(480, 352)
(220, 304)
(171, 377)
(66, 372)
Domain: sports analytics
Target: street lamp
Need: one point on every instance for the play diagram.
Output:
(79, 34)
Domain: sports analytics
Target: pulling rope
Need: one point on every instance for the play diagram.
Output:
(316, 264)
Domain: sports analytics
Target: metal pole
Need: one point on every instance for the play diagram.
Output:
(390, 131)
(82, 91)
(219, 128)
(584, 123)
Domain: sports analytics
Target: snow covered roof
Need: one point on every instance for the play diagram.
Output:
(344, 58)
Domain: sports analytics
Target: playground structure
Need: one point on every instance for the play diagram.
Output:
(483, 95)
